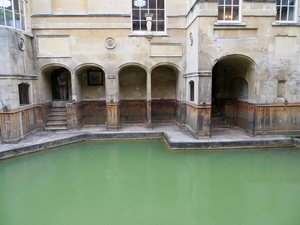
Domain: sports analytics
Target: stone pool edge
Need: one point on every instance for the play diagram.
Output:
(172, 145)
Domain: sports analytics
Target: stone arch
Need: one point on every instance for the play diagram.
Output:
(91, 96)
(165, 92)
(233, 87)
(132, 83)
(131, 64)
(84, 90)
(229, 67)
(46, 91)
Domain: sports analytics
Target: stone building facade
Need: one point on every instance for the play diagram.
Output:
(64, 64)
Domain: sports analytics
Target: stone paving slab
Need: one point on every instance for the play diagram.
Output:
(175, 137)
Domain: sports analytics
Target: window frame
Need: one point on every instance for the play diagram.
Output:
(231, 7)
(22, 16)
(288, 6)
(101, 76)
(145, 31)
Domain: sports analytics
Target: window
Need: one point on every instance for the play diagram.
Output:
(142, 7)
(285, 10)
(23, 93)
(191, 91)
(12, 13)
(95, 77)
(229, 10)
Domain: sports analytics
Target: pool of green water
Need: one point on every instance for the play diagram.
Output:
(141, 183)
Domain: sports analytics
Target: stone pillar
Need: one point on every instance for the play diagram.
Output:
(112, 102)
(73, 87)
(149, 123)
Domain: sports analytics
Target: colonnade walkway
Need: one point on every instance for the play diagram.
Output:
(175, 139)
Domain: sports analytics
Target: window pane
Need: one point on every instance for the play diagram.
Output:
(227, 13)
(153, 28)
(160, 26)
(291, 14)
(152, 4)
(278, 2)
(160, 14)
(23, 23)
(136, 25)
(1, 17)
(143, 25)
(154, 14)
(284, 13)
(291, 2)
(135, 14)
(17, 21)
(9, 18)
(228, 2)
(284, 2)
(221, 13)
(221, 2)
(277, 13)
(22, 7)
(236, 2)
(10, 5)
(160, 4)
(16, 5)
(143, 13)
(235, 13)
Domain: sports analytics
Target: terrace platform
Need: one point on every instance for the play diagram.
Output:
(175, 138)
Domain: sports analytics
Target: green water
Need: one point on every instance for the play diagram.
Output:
(140, 183)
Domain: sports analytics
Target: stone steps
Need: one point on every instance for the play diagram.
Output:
(57, 120)
(217, 120)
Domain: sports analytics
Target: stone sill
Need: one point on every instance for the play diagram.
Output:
(285, 24)
(145, 34)
(81, 15)
(230, 24)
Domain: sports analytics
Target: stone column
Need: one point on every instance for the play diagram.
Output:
(112, 105)
(73, 87)
(149, 123)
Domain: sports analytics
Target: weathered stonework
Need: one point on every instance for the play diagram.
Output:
(247, 71)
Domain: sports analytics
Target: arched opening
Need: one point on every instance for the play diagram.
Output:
(60, 83)
(192, 91)
(91, 93)
(50, 88)
(164, 94)
(132, 95)
(23, 93)
(233, 81)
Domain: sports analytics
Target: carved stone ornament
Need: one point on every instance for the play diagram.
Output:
(21, 44)
(110, 43)
(191, 38)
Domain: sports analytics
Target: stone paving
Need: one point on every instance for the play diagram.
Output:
(176, 138)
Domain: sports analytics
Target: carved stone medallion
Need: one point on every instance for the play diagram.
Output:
(110, 43)
(21, 44)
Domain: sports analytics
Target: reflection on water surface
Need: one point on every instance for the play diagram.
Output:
(140, 183)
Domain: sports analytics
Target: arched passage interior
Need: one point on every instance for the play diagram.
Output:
(132, 96)
(91, 93)
(163, 94)
(55, 84)
(233, 83)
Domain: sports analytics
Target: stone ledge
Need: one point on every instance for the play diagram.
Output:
(203, 144)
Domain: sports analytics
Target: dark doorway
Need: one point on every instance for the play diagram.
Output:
(23, 93)
(60, 84)
(231, 92)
